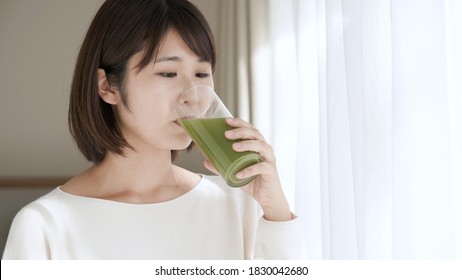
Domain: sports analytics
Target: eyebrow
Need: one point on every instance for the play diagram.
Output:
(168, 58)
(175, 58)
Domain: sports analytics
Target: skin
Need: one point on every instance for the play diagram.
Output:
(146, 174)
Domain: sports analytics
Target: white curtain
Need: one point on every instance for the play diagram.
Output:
(362, 102)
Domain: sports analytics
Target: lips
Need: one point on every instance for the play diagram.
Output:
(177, 123)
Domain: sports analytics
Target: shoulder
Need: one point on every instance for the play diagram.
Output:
(30, 228)
(45, 211)
(40, 208)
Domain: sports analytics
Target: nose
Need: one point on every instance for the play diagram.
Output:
(191, 96)
(194, 102)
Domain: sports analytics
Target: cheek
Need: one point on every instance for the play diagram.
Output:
(146, 113)
(149, 101)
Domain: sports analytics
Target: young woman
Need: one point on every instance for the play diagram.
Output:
(134, 203)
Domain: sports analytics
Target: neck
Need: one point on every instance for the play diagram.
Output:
(140, 178)
(139, 167)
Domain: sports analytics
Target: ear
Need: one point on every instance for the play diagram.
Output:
(105, 91)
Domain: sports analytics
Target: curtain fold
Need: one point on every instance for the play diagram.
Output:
(233, 45)
(377, 135)
(421, 189)
(453, 42)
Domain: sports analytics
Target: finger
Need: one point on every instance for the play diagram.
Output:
(237, 122)
(258, 146)
(210, 166)
(244, 130)
(262, 168)
(244, 133)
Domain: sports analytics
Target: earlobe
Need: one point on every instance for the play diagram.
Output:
(105, 91)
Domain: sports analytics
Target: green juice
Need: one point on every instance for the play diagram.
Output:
(209, 135)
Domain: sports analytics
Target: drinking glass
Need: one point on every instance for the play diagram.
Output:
(203, 116)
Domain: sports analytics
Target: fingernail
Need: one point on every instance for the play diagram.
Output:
(229, 133)
(240, 175)
(237, 146)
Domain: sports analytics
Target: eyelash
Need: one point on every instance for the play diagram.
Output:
(202, 75)
(170, 75)
(167, 75)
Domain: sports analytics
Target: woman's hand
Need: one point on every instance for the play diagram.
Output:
(266, 188)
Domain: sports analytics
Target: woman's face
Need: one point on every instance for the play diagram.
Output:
(149, 123)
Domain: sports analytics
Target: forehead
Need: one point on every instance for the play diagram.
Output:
(174, 45)
(172, 48)
(180, 25)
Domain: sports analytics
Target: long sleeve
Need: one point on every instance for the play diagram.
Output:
(270, 240)
(279, 240)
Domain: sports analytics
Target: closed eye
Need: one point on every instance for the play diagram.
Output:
(168, 74)
(202, 75)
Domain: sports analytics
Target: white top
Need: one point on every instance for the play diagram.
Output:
(211, 221)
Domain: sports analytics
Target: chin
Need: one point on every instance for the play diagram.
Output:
(181, 145)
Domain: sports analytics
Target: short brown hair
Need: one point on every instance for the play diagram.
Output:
(120, 29)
